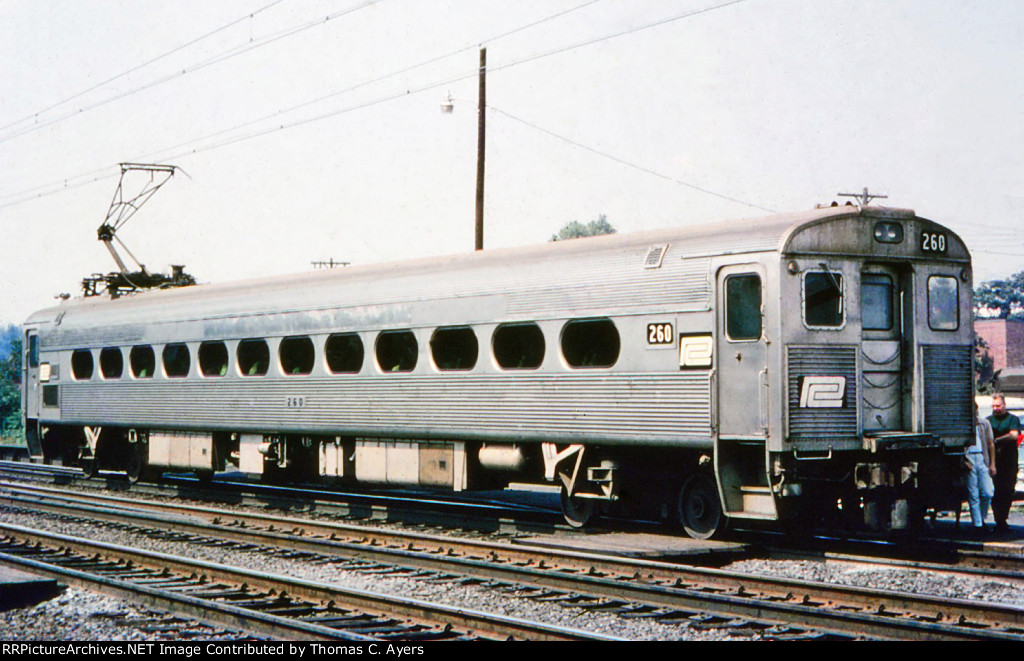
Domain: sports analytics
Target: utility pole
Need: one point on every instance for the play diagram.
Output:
(480, 149)
(863, 198)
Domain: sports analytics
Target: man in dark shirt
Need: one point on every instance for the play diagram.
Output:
(1005, 428)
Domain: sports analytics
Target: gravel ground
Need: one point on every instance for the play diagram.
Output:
(81, 616)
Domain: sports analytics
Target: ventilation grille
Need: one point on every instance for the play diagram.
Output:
(948, 390)
(808, 422)
(655, 255)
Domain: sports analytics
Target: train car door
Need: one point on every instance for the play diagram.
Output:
(742, 365)
(31, 392)
(741, 456)
(30, 376)
(881, 350)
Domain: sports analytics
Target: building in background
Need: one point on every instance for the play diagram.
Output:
(1004, 345)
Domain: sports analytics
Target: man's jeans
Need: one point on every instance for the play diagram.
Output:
(979, 489)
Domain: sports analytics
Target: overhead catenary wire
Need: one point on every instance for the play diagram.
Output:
(141, 66)
(233, 52)
(630, 164)
(183, 149)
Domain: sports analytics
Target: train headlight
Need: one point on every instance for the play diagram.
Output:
(888, 232)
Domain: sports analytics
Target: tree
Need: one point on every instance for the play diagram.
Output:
(10, 389)
(984, 367)
(576, 229)
(1004, 297)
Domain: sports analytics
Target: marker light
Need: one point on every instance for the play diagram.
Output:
(888, 232)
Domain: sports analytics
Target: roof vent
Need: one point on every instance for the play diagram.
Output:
(655, 255)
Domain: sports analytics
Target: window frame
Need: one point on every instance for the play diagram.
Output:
(729, 306)
(76, 356)
(574, 362)
(103, 363)
(138, 353)
(203, 355)
(243, 365)
(892, 301)
(956, 301)
(396, 367)
(842, 299)
(502, 328)
(284, 348)
(450, 331)
(328, 352)
(164, 363)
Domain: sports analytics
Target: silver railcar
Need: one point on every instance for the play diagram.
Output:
(812, 363)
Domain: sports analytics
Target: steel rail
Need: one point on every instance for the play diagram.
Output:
(850, 610)
(474, 622)
(203, 610)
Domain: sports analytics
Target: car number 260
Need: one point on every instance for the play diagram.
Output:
(933, 242)
(660, 333)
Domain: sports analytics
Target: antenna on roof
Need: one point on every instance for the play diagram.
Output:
(863, 198)
(121, 209)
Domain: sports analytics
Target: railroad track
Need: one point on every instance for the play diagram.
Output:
(672, 592)
(279, 607)
(422, 509)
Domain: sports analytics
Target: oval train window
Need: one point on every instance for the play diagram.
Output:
(454, 348)
(177, 360)
(590, 343)
(518, 346)
(397, 351)
(111, 363)
(81, 364)
(142, 361)
(297, 355)
(253, 357)
(344, 353)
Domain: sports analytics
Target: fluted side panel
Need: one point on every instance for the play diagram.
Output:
(665, 408)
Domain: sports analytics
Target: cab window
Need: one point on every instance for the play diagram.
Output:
(943, 310)
(823, 299)
(876, 301)
(743, 307)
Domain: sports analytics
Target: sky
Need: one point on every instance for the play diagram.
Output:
(311, 130)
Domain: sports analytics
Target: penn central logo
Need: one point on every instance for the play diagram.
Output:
(822, 392)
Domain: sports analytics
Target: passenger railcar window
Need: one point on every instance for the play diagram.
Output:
(518, 346)
(823, 299)
(253, 357)
(876, 301)
(296, 355)
(33, 350)
(454, 348)
(81, 364)
(743, 307)
(943, 307)
(177, 360)
(213, 359)
(344, 353)
(397, 351)
(143, 362)
(51, 396)
(111, 363)
(590, 343)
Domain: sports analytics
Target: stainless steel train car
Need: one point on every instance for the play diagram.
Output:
(797, 365)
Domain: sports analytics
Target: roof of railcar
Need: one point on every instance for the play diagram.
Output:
(732, 237)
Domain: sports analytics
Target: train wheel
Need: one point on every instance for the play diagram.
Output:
(135, 463)
(577, 511)
(698, 508)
